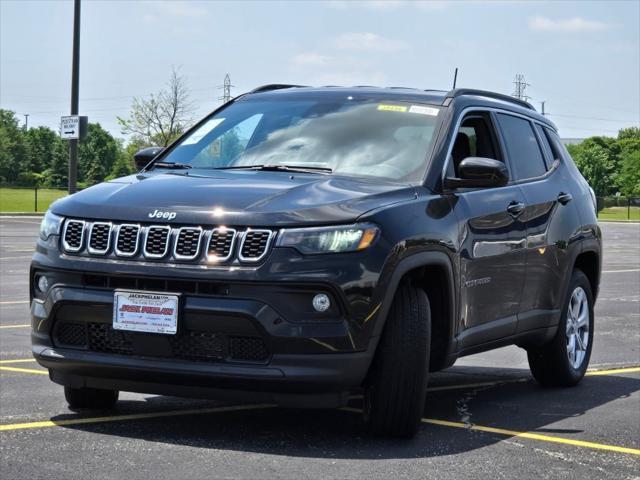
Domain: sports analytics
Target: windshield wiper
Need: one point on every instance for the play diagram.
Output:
(279, 168)
(171, 165)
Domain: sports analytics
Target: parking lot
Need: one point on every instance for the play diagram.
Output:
(484, 417)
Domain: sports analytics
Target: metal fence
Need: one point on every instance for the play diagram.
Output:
(618, 208)
(28, 199)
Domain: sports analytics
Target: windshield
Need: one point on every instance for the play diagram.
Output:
(342, 136)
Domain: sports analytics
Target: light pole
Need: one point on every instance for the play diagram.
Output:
(75, 79)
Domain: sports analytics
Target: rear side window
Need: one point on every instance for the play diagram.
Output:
(522, 146)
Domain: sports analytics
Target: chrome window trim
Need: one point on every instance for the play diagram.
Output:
(176, 255)
(95, 251)
(67, 247)
(135, 251)
(231, 248)
(242, 258)
(166, 244)
(495, 110)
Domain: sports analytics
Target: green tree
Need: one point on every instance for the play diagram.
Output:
(594, 162)
(628, 178)
(124, 165)
(57, 173)
(13, 151)
(97, 154)
(41, 143)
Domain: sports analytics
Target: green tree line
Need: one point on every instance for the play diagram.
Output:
(610, 165)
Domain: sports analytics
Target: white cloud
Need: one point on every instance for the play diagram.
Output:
(572, 25)
(367, 41)
(310, 59)
(387, 5)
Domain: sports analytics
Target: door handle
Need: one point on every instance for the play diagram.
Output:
(515, 208)
(564, 198)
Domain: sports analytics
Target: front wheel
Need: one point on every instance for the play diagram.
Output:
(564, 360)
(396, 385)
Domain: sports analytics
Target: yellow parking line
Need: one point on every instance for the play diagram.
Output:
(613, 371)
(15, 326)
(24, 370)
(19, 360)
(534, 436)
(133, 416)
(529, 435)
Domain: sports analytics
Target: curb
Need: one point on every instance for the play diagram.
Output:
(22, 214)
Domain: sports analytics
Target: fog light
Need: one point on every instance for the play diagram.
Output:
(321, 302)
(43, 284)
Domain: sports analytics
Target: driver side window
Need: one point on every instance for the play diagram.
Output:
(475, 138)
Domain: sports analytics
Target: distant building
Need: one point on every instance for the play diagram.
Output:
(571, 141)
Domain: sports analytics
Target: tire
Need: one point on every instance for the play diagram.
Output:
(553, 364)
(396, 384)
(93, 398)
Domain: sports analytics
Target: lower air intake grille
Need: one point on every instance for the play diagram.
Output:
(221, 243)
(157, 242)
(103, 338)
(251, 349)
(73, 235)
(198, 346)
(99, 238)
(188, 243)
(72, 334)
(127, 242)
(254, 245)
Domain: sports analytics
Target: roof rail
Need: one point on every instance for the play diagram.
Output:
(483, 93)
(274, 86)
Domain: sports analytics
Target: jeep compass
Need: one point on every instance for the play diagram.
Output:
(301, 243)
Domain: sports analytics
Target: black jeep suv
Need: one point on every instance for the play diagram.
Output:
(300, 243)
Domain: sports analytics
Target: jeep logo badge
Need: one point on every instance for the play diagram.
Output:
(165, 215)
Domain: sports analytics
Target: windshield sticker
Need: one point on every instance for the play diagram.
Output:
(196, 136)
(392, 108)
(424, 110)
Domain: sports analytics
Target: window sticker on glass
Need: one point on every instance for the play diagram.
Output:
(424, 110)
(392, 108)
(196, 136)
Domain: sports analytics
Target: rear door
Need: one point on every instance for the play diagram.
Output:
(550, 217)
(492, 240)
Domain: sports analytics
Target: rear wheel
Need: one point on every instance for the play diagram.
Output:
(396, 385)
(78, 398)
(564, 360)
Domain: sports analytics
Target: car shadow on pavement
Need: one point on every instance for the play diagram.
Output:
(520, 404)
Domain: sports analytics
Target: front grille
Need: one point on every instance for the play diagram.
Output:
(254, 245)
(221, 244)
(139, 242)
(127, 242)
(72, 334)
(73, 235)
(99, 238)
(185, 345)
(188, 243)
(250, 349)
(157, 243)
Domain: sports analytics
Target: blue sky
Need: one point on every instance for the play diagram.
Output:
(583, 58)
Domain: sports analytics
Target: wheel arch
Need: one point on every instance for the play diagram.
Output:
(588, 261)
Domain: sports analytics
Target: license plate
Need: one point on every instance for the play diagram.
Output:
(145, 312)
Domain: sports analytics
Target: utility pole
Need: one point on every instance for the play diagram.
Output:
(226, 89)
(26, 121)
(521, 86)
(75, 80)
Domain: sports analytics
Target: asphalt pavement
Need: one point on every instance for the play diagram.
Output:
(484, 418)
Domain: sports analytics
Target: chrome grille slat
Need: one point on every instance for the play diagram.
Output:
(156, 244)
(187, 246)
(221, 243)
(127, 240)
(255, 245)
(99, 238)
(73, 235)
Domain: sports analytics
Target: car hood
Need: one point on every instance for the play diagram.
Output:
(243, 198)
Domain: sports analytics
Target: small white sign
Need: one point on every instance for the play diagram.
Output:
(70, 127)
(145, 312)
(424, 110)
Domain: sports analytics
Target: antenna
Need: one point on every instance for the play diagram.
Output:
(455, 78)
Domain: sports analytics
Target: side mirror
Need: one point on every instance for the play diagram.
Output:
(479, 172)
(144, 156)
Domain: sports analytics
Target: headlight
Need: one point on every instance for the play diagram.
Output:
(350, 238)
(50, 225)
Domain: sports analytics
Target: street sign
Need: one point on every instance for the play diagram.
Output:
(73, 127)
